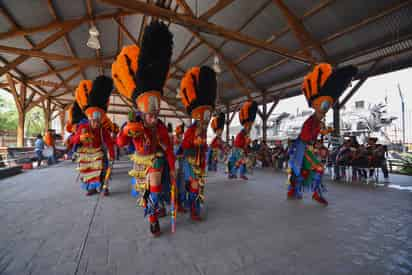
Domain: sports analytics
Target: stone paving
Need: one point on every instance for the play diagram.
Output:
(48, 226)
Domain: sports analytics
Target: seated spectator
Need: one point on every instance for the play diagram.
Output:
(38, 149)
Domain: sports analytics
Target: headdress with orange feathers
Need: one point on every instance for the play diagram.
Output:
(247, 113)
(198, 92)
(140, 74)
(323, 85)
(218, 122)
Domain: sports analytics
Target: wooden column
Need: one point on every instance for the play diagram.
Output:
(62, 117)
(336, 119)
(22, 106)
(265, 114)
(20, 128)
(227, 123)
(47, 110)
(264, 122)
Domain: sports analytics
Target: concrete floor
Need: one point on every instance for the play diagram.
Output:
(48, 226)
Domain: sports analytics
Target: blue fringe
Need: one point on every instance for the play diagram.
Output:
(134, 192)
(91, 185)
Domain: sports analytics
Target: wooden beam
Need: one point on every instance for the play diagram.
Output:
(49, 40)
(347, 30)
(160, 115)
(21, 78)
(52, 56)
(359, 84)
(185, 6)
(203, 26)
(220, 5)
(60, 24)
(252, 17)
(14, 24)
(126, 31)
(16, 96)
(92, 23)
(47, 73)
(67, 80)
(285, 30)
(49, 84)
(301, 33)
(65, 37)
(235, 71)
(275, 103)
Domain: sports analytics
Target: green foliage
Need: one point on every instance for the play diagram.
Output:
(8, 114)
(34, 122)
(407, 162)
(9, 120)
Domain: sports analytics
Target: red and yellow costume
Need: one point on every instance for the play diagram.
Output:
(238, 157)
(94, 139)
(140, 74)
(180, 179)
(198, 94)
(321, 87)
(216, 146)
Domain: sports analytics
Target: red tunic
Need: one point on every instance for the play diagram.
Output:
(98, 134)
(150, 141)
(310, 130)
(197, 144)
(241, 140)
(217, 143)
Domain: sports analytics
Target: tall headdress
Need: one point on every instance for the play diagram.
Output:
(75, 115)
(198, 92)
(82, 93)
(218, 122)
(323, 85)
(140, 74)
(170, 128)
(98, 99)
(247, 113)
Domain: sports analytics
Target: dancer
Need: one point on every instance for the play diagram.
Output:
(94, 140)
(216, 146)
(140, 74)
(238, 157)
(198, 94)
(321, 87)
(180, 178)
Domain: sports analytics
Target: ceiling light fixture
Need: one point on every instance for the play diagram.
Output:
(216, 65)
(93, 41)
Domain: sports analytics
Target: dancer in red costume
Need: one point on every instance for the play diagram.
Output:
(198, 94)
(321, 87)
(216, 146)
(140, 74)
(96, 144)
(238, 157)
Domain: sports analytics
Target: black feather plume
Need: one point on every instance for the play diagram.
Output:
(221, 120)
(77, 113)
(101, 90)
(154, 58)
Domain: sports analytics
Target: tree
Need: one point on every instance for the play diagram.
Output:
(34, 122)
(8, 114)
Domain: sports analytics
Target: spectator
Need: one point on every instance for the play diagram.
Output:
(38, 149)
(49, 140)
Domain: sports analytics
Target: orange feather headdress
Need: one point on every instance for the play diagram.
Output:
(198, 92)
(140, 74)
(323, 85)
(247, 113)
(218, 122)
